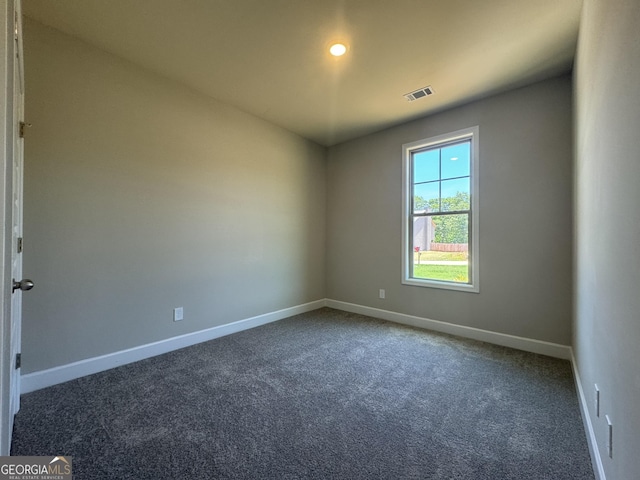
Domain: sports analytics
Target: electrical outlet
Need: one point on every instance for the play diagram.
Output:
(178, 314)
(382, 293)
(597, 400)
(609, 436)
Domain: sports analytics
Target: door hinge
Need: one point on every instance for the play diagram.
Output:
(19, 244)
(23, 125)
(18, 360)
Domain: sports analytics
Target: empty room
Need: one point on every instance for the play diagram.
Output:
(320, 239)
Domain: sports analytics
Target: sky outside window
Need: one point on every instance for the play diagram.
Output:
(442, 172)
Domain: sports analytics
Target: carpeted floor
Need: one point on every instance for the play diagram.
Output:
(327, 395)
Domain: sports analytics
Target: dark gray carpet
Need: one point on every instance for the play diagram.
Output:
(326, 394)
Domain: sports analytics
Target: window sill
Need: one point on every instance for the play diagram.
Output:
(460, 287)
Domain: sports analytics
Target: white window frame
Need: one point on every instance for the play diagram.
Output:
(471, 133)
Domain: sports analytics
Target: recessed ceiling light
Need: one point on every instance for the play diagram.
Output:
(454, 158)
(337, 49)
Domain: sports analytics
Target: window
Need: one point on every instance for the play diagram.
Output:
(440, 211)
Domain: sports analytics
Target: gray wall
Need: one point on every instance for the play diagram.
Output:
(525, 216)
(142, 196)
(607, 225)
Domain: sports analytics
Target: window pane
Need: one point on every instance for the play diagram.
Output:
(452, 229)
(426, 166)
(456, 160)
(426, 197)
(423, 233)
(455, 195)
(440, 248)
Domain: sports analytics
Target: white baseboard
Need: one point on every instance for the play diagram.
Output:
(596, 459)
(520, 343)
(53, 376)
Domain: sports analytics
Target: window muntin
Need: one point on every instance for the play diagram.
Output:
(440, 220)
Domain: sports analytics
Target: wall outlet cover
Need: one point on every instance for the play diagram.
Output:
(609, 436)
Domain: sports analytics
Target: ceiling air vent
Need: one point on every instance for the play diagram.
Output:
(423, 92)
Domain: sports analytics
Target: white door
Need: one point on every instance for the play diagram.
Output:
(16, 240)
(11, 155)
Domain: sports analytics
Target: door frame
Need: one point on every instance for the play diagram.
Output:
(8, 129)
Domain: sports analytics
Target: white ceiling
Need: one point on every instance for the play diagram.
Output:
(270, 57)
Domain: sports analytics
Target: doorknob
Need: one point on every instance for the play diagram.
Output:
(23, 285)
